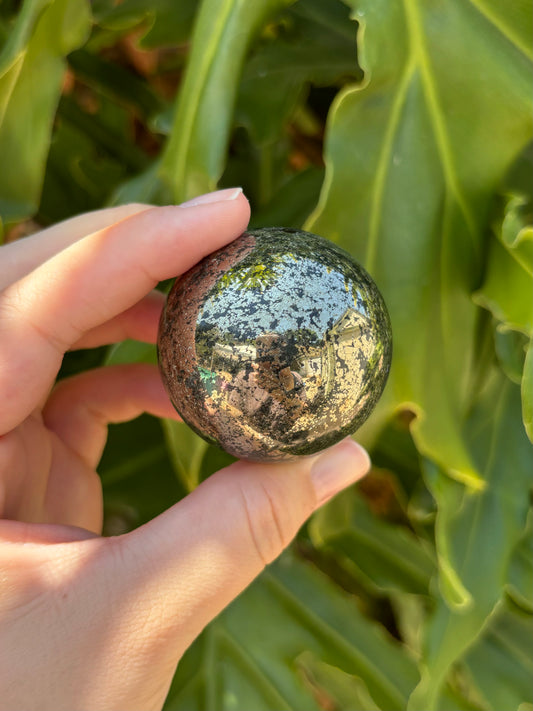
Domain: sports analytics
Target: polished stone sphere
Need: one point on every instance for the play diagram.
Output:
(275, 346)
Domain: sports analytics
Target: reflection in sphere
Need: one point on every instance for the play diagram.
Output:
(277, 345)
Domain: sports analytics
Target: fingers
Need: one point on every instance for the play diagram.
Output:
(186, 565)
(80, 408)
(23, 256)
(94, 280)
(139, 323)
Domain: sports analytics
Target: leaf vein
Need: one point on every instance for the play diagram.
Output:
(497, 22)
(436, 114)
(383, 164)
(336, 638)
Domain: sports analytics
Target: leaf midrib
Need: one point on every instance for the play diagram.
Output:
(383, 163)
(254, 672)
(411, 569)
(336, 638)
(420, 55)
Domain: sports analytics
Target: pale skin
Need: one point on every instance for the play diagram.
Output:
(89, 622)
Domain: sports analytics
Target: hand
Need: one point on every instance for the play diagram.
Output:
(100, 623)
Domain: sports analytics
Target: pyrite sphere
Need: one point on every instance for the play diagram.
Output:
(274, 346)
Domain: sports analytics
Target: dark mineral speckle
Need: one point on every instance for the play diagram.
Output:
(277, 345)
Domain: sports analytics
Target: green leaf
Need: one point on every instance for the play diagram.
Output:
(169, 22)
(293, 202)
(408, 184)
(18, 38)
(520, 574)
(116, 81)
(31, 71)
(187, 451)
(517, 230)
(194, 157)
(250, 656)
(476, 532)
(500, 663)
(527, 392)
(511, 347)
(137, 476)
(334, 686)
(507, 293)
(146, 187)
(507, 290)
(88, 155)
(131, 352)
(282, 66)
(384, 556)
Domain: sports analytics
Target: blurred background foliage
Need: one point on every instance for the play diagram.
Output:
(400, 129)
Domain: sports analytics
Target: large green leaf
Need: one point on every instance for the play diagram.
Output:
(194, 157)
(477, 531)
(501, 663)
(250, 657)
(408, 183)
(385, 557)
(31, 71)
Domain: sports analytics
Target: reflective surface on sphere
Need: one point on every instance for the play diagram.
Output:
(277, 345)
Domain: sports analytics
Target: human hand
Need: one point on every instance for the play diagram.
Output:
(88, 622)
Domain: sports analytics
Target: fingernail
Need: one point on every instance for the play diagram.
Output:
(337, 468)
(217, 196)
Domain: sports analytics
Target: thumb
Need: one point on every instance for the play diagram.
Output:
(189, 563)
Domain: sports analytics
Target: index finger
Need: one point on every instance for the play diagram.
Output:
(92, 281)
(22, 256)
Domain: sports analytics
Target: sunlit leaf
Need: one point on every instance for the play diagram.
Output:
(194, 158)
(406, 197)
(31, 70)
(131, 352)
(187, 450)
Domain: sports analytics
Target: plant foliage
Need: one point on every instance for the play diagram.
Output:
(401, 129)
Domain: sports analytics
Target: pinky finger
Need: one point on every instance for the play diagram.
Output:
(80, 408)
